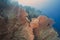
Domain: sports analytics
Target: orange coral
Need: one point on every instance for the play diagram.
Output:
(42, 19)
(34, 23)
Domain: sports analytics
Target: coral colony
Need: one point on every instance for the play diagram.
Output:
(24, 23)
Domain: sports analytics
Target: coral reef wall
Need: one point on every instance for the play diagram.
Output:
(24, 23)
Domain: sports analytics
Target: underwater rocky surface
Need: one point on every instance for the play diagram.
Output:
(20, 23)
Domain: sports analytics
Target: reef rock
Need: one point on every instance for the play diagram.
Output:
(45, 31)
